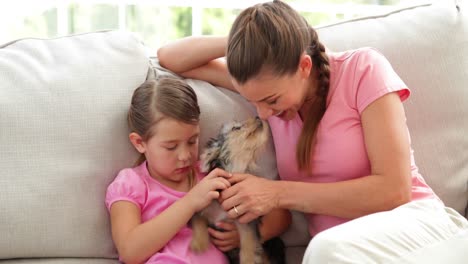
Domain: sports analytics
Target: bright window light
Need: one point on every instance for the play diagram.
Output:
(157, 21)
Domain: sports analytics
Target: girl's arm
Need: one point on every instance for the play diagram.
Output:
(388, 186)
(198, 58)
(275, 223)
(136, 241)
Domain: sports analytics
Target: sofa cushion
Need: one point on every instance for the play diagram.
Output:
(63, 106)
(428, 47)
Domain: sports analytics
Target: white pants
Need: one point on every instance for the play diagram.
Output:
(423, 231)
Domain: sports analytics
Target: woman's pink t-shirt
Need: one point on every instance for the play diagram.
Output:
(357, 78)
(138, 187)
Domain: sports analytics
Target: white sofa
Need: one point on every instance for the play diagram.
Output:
(63, 134)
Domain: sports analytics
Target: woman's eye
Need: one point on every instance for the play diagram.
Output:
(234, 128)
(273, 102)
(193, 142)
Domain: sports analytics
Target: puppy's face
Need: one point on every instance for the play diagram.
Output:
(236, 147)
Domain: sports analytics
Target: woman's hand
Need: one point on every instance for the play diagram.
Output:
(249, 197)
(206, 190)
(227, 239)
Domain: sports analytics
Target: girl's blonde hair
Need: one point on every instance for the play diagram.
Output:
(272, 37)
(157, 99)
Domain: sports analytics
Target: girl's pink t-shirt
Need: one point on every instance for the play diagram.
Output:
(138, 187)
(357, 78)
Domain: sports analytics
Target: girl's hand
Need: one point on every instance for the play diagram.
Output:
(252, 197)
(207, 189)
(227, 239)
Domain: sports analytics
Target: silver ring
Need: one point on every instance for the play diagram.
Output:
(235, 210)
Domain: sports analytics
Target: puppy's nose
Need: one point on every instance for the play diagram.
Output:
(259, 121)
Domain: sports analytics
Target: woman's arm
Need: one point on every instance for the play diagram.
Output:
(191, 52)
(389, 185)
(198, 58)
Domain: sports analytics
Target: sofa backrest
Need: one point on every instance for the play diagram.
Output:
(63, 138)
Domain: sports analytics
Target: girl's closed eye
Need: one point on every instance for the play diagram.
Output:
(171, 147)
(193, 140)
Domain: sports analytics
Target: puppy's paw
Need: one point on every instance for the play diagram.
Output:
(200, 243)
(248, 256)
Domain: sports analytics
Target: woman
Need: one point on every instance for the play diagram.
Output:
(339, 127)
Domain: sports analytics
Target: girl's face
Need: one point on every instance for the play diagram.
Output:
(282, 96)
(171, 152)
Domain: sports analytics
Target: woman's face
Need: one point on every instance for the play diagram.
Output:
(282, 96)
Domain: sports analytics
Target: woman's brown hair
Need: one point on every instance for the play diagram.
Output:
(272, 36)
(157, 99)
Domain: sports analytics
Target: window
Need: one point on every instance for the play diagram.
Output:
(157, 21)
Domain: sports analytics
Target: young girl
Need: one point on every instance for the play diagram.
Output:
(151, 204)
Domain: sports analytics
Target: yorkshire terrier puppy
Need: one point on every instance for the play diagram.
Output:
(235, 149)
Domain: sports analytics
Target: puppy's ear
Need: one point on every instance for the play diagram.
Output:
(210, 156)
